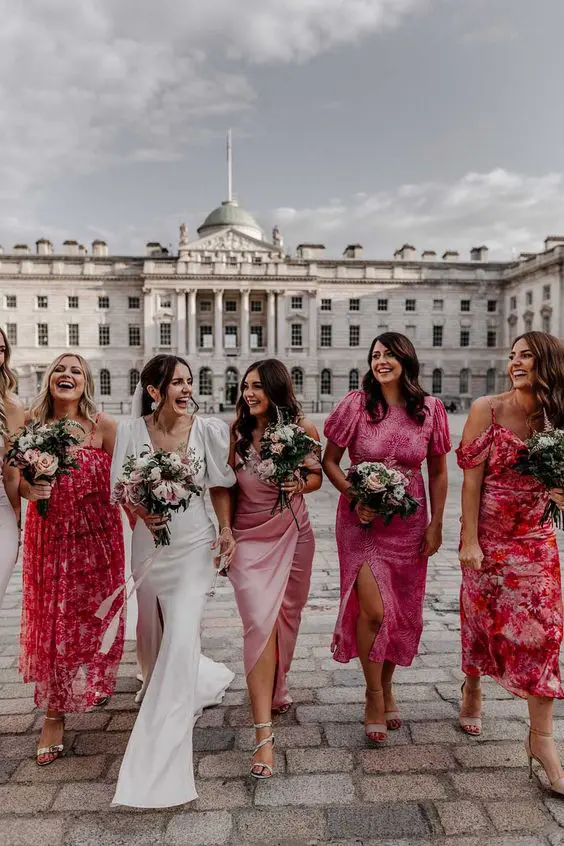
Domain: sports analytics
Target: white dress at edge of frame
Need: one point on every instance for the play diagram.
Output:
(157, 770)
(8, 533)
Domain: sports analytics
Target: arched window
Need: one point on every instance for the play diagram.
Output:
(105, 383)
(205, 387)
(464, 386)
(354, 380)
(326, 382)
(231, 385)
(298, 380)
(437, 386)
(133, 380)
(490, 381)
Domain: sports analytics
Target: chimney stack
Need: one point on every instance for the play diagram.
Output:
(405, 253)
(21, 250)
(553, 241)
(450, 255)
(43, 247)
(70, 248)
(479, 253)
(353, 251)
(429, 255)
(99, 249)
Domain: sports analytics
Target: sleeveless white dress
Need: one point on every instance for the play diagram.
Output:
(157, 770)
(8, 533)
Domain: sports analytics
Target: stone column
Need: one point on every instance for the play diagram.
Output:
(181, 323)
(148, 323)
(245, 323)
(271, 325)
(218, 330)
(192, 339)
(312, 323)
(281, 325)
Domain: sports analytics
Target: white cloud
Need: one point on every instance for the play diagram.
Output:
(507, 211)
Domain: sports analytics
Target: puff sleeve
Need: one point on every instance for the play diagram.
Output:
(216, 442)
(341, 424)
(439, 442)
(475, 452)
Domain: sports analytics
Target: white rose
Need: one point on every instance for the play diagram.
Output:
(399, 492)
(155, 474)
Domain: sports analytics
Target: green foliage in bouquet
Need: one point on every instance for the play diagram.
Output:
(542, 457)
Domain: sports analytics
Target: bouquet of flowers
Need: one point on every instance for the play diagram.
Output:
(381, 488)
(284, 447)
(160, 482)
(43, 451)
(542, 457)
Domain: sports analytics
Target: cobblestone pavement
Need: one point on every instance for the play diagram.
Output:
(429, 785)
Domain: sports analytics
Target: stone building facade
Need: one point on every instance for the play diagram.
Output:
(230, 296)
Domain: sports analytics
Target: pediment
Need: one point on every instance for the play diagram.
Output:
(230, 241)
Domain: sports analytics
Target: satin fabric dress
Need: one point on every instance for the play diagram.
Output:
(511, 609)
(271, 570)
(8, 533)
(392, 552)
(157, 770)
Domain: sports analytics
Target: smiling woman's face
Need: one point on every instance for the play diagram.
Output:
(522, 366)
(67, 380)
(385, 366)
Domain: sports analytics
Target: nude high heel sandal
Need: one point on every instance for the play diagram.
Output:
(376, 732)
(556, 786)
(472, 726)
(260, 744)
(53, 752)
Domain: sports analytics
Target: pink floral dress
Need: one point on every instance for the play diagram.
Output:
(73, 559)
(392, 552)
(511, 609)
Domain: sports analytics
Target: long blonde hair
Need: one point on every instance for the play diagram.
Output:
(8, 382)
(42, 407)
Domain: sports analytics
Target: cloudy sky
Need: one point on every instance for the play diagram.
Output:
(437, 122)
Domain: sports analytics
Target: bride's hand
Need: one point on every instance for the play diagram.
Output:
(225, 546)
(154, 522)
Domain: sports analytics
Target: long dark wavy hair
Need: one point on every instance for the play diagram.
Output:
(549, 371)
(277, 384)
(411, 390)
(8, 381)
(158, 372)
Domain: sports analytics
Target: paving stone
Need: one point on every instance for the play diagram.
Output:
(318, 761)
(227, 764)
(385, 820)
(36, 831)
(306, 790)
(122, 722)
(461, 817)
(116, 829)
(16, 706)
(277, 827)
(208, 828)
(407, 758)
(25, 799)
(16, 723)
(92, 721)
(212, 740)
(7, 769)
(495, 784)
(91, 743)
(518, 816)
(352, 736)
(416, 788)
(289, 737)
(491, 755)
(221, 795)
(69, 768)
(212, 718)
(84, 796)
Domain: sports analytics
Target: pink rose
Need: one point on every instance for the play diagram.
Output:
(277, 449)
(266, 469)
(30, 456)
(46, 464)
(119, 493)
(133, 495)
(373, 483)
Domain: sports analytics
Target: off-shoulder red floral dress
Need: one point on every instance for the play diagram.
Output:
(73, 559)
(511, 609)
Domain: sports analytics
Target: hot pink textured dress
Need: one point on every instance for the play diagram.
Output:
(392, 552)
(511, 609)
(73, 559)
(271, 570)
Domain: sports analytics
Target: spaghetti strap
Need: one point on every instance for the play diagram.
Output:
(492, 409)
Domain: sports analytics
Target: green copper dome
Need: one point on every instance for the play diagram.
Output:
(227, 215)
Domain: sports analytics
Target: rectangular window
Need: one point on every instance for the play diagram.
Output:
(11, 301)
(232, 261)
(382, 305)
(513, 303)
(410, 305)
(103, 302)
(354, 336)
(72, 302)
(546, 293)
(256, 306)
(231, 306)
(492, 306)
(42, 335)
(104, 336)
(73, 335)
(438, 305)
(464, 305)
(465, 337)
(529, 298)
(411, 331)
(297, 303)
(134, 336)
(133, 302)
(205, 305)
(492, 338)
(165, 301)
(437, 336)
(165, 334)
(230, 337)
(12, 333)
(257, 260)
(206, 337)
(326, 305)
(257, 337)
(42, 301)
(326, 336)
(206, 259)
(296, 335)
(354, 304)
(545, 323)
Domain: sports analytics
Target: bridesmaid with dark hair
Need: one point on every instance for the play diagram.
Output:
(271, 569)
(383, 568)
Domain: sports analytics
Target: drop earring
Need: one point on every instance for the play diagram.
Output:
(154, 405)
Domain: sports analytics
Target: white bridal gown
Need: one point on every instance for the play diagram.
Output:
(157, 770)
(8, 533)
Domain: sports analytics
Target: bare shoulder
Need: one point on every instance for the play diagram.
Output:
(479, 418)
(105, 422)
(15, 412)
(309, 428)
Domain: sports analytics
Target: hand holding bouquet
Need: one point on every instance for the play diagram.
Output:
(543, 458)
(284, 447)
(157, 482)
(381, 489)
(44, 451)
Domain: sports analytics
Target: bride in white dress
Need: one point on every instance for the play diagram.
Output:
(157, 770)
(11, 419)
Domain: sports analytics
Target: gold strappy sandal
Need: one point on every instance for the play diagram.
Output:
(55, 751)
(260, 744)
